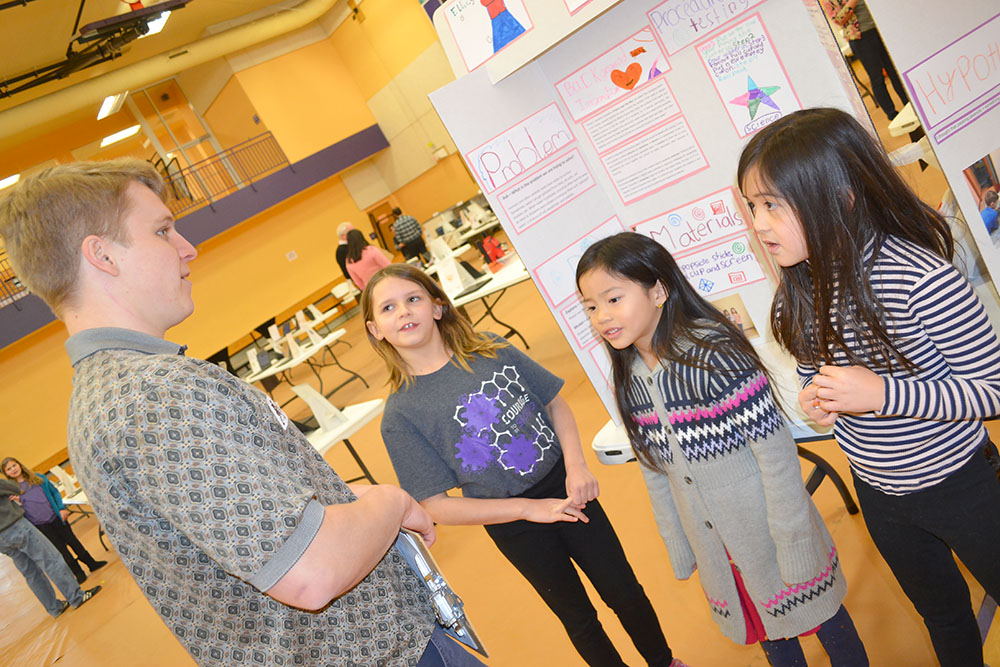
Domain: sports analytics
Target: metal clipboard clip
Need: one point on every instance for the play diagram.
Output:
(448, 607)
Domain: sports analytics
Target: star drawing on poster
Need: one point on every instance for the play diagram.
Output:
(756, 95)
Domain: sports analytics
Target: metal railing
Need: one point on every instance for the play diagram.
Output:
(11, 289)
(205, 182)
(201, 184)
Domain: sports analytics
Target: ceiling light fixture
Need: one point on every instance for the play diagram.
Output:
(118, 136)
(9, 181)
(156, 25)
(112, 104)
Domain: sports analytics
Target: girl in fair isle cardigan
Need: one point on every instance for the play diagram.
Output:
(721, 468)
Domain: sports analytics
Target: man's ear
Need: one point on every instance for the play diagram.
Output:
(373, 330)
(95, 253)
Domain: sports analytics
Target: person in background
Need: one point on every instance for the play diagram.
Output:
(410, 235)
(363, 259)
(989, 214)
(35, 557)
(44, 508)
(342, 230)
(866, 44)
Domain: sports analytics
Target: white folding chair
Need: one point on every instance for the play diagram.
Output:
(336, 425)
(253, 360)
(70, 487)
(319, 319)
(341, 291)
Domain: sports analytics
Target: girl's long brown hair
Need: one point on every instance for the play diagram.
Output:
(33, 478)
(459, 337)
(841, 186)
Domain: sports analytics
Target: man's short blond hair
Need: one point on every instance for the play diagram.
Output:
(45, 218)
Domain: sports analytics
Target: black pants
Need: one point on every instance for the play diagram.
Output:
(415, 248)
(61, 535)
(544, 555)
(871, 52)
(916, 534)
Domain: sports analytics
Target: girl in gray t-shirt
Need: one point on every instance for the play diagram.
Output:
(469, 411)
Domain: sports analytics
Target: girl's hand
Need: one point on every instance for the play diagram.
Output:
(65, 515)
(550, 510)
(581, 485)
(811, 406)
(849, 389)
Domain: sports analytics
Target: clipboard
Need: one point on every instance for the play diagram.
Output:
(448, 607)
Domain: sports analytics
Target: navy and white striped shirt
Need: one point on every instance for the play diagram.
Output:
(931, 423)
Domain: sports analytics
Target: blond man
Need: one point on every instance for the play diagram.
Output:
(245, 542)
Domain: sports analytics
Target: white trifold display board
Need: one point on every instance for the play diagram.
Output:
(636, 121)
(948, 56)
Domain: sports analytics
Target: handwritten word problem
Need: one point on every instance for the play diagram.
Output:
(520, 148)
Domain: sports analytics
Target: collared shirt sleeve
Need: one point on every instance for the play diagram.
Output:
(211, 458)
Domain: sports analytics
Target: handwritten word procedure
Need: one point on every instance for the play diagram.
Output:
(681, 22)
(520, 148)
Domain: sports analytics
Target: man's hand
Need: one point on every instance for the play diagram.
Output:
(853, 389)
(581, 485)
(65, 515)
(419, 521)
(550, 510)
(415, 517)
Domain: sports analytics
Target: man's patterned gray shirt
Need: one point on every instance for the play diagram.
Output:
(210, 495)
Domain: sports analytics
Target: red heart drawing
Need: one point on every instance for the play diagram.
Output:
(628, 78)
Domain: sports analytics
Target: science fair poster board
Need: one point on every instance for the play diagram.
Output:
(503, 35)
(635, 122)
(952, 75)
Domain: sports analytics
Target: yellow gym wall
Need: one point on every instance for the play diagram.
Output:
(376, 50)
(242, 277)
(58, 144)
(35, 395)
(307, 98)
(230, 116)
(435, 190)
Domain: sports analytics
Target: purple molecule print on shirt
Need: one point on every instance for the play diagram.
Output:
(501, 424)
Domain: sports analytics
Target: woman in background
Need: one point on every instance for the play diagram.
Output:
(363, 260)
(44, 508)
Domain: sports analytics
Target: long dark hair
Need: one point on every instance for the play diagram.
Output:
(459, 337)
(684, 318)
(356, 245)
(840, 185)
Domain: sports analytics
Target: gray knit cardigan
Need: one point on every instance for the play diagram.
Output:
(733, 482)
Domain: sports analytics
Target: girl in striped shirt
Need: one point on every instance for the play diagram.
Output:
(894, 350)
